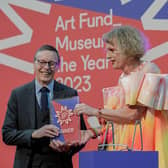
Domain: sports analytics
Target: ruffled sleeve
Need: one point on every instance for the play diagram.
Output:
(154, 91)
(132, 83)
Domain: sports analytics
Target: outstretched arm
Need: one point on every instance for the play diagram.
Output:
(125, 115)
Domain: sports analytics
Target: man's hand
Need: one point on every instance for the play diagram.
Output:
(59, 146)
(46, 131)
(86, 135)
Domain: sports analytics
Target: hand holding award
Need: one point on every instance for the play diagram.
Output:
(62, 116)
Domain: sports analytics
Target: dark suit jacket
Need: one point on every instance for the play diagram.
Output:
(19, 122)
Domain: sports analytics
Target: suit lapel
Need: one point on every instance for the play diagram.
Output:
(31, 104)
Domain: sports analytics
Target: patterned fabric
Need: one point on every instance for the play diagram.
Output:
(147, 87)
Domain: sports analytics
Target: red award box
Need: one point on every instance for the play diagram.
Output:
(62, 115)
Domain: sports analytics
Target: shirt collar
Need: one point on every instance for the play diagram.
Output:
(50, 86)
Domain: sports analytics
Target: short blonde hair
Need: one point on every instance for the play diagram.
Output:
(131, 41)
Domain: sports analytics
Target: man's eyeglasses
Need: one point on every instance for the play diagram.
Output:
(51, 64)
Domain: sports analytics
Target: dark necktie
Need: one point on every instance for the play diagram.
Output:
(44, 99)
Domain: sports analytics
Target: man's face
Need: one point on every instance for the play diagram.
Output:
(45, 65)
(115, 56)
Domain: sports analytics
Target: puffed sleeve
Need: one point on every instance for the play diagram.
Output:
(132, 83)
(154, 91)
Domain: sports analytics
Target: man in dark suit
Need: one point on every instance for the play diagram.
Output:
(27, 126)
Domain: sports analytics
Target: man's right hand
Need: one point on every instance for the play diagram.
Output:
(46, 131)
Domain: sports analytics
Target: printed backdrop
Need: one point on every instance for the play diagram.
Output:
(75, 28)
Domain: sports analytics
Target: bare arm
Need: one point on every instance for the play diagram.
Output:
(125, 115)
